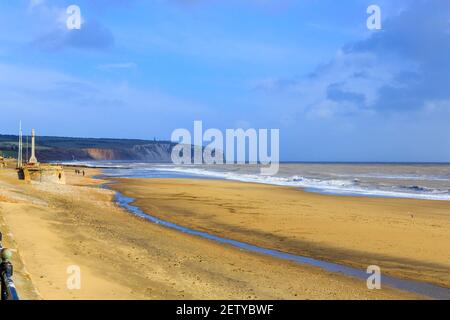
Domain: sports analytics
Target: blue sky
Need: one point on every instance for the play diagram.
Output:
(140, 69)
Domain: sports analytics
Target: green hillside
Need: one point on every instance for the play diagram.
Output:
(70, 148)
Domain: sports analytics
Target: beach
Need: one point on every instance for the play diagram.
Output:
(407, 238)
(225, 150)
(52, 227)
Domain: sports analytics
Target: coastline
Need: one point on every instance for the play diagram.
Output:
(407, 238)
(124, 257)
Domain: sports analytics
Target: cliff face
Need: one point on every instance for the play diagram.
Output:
(103, 154)
(85, 149)
(150, 152)
(155, 152)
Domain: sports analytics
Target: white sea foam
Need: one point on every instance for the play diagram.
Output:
(331, 186)
(330, 183)
(397, 176)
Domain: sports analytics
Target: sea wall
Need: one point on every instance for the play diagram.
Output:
(43, 173)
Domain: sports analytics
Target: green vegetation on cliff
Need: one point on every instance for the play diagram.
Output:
(67, 148)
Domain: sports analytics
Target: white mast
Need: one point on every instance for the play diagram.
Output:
(19, 155)
(33, 159)
(27, 148)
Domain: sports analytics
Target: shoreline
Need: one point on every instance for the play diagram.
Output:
(407, 186)
(79, 224)
(421, 288)
(190, 213)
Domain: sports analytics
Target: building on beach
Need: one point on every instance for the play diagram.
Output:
(32, 170)
(2, 162)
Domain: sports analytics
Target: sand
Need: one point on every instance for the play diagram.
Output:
(407, 238)
(52, 227)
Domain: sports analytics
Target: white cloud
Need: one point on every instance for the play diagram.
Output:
(113, 66)
(396, 70)
(34, 3)
(47, 92)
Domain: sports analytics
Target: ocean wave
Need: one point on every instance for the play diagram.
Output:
(338, 184)
(403, 176)
(329, 186)
(97, 164)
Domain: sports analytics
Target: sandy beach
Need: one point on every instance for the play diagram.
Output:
(407, 238)
(52, 227)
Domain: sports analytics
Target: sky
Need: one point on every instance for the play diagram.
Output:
(336, 90)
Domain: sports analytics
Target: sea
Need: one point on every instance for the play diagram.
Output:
(430, 181)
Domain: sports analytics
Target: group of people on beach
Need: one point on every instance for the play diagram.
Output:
(77, 171)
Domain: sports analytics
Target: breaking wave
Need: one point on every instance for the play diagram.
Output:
(332, 184)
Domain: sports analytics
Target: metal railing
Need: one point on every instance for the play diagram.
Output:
(8, 289)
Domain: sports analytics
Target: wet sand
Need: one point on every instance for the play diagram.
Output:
(407, 238)
(124, 257)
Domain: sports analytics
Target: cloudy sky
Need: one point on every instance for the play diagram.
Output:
(140, 69)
